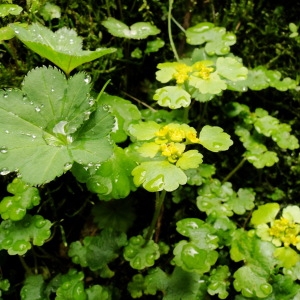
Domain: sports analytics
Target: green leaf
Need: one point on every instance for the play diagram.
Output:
(97, 292)
(244, 201)
(25, 197)
(16, 237)
(213, 85)
(138, 31)
(112, 179)
(252, 282)
(158, 175)
(189, 160)
(97, 251)
(219, 282)
(72, 287)
(6, 33)
(33, 288)
(288, 257)
(50, 11)
(214, 139)
(166, 71)
(63, 48)
(144, 131)
(180, 285)
(53, 121)
(265, 213)
(154, 46)
(173, 97)
(257, 79)
(141, 254)
(230, 68)
(116, 214)
(198, 176)
(136, 286)
(10, 9)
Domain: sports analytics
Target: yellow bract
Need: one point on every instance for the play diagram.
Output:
(199, 69)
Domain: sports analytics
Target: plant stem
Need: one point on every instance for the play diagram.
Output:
(240, 164)
(158, 206)
(170, 30)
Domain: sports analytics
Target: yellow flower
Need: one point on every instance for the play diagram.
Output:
(182, 73)
(202, 70)
(172, 151)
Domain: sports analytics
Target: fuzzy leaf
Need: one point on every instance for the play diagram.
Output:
(44, 127)
(97, 251)
(16, 236)
(139, 254)
(158, 175)
(63, 48)
(231, 69)
(125, 113)
(116, 214)
(173, 97)
(25, 197)
(33, 288)
(214, 139)
(137, 31)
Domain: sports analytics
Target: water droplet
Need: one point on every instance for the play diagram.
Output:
(71, 41)
(4, 171)
(5, 95)
(6, 131)
(33, 136)
(86, 115)
(3, 150)
(87, 79)
(67, 166)
(52, 90)
(106, 107)
(31, 103)
(91, 101)
(17, 31)
(37, 109)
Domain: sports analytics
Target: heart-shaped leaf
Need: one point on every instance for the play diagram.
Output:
(63, 48)
(137, 31)
(49, 124)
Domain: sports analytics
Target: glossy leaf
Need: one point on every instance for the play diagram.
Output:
(214, 139)
(97, 292)
(154, 46)
(140, 254)
(63, 47)
(33, 288)
(125, 113)
(25, 197)
(218, 282)
(265, 213)
(10, 9)
(16, 237)
(231, 69)
(140, 30)
(51, 139)
(158, 175)
(172, 96)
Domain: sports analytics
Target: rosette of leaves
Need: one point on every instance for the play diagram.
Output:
(141, 254)
(252, 130)
(25, 197)
(200, 78)
(63, 47)
(17, 237)
(51, 123)
(163, 156)
(284, 233)
(198, 254)
(96, 252)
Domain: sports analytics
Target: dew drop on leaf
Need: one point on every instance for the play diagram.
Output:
(4, 171)
(3, 150)
(87, 79)
(67, 166)
(37, 109)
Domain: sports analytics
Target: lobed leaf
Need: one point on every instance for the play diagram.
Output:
(10, 9)
(231, 69)
(33, 288)
(63, 47)
(219, 282)
(16, 237)
(49, 124)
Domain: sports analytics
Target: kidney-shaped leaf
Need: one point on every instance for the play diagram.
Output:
(137, 31)
(49, 124)
(63, 47)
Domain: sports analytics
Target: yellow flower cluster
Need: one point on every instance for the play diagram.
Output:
(285, 231)
(173, 138)
(198, 69)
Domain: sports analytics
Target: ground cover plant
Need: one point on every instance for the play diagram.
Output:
(146, 157)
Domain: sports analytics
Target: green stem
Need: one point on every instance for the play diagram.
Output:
(170, 30)
(24, 265)
(240, 164)
(158, 205)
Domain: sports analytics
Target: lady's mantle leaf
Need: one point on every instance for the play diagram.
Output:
(63, 48)
(172, 97)
(214, 139)
(49, 124)
(137, 31)
(158, 175)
